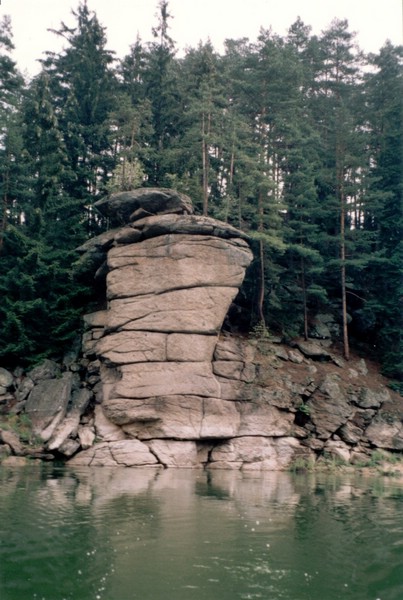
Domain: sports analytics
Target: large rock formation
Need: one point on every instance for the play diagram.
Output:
(164, 386)
(170, 280)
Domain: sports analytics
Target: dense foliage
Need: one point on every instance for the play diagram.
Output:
(296, 139)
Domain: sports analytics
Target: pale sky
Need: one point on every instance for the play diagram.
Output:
(374, 21)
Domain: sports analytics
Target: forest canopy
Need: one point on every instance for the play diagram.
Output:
(297, 140)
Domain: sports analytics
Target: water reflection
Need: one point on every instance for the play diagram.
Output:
(119, 534)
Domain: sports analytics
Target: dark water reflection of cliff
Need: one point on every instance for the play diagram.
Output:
(118, 534)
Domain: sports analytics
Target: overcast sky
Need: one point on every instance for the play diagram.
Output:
(375, 21)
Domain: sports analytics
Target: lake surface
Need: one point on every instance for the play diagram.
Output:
(122, 534)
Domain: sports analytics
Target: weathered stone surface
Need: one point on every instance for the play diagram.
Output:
(244, 372)
(172, 279)
(190, 347)
(277, 396)
(314, 443)
(6, 378)
(168, 378)
(48, 369)
(234, 348)
(105, 429)
(280, 352)
(127, 235)
(188, 225)
(126, 347)
(372, 398)
(79, 401)
(257, 453)
(313, 351)
(69, 425)
(339, 361)
(248, 374)
(220, 419)
(47, 403)
(174, 262)
(110, 376)
(93, 253)
(125, 453)
(86, 435)
(295, 356)
(93, 367)
(385, 433)
(12, 440)
(195, 310)
(69, 447)
(230, 369)
(359, 457)
(101, 242)
(144, 380)
(131, 453)
(363, 417)
(89, 344)
(329, 408)
(171, 453)
(262, 419)
(177, 417)
(156, 201)
(350, 433)
(96, 319)
(266, 374)
(169, 246)
(237, 390)
(338, 450)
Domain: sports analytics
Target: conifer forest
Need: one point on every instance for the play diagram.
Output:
(296, 140)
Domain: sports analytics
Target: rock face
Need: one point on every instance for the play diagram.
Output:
(171, 278)
(162, 385)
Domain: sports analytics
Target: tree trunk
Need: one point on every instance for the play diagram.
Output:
(346, 345)
(3, 221)
(340, 192)
(205, 167)
(303, 285)
(260, 303)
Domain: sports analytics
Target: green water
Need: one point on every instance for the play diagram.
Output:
(122, 534)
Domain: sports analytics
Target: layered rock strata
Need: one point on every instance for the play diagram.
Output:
(171, 278)
(173, 391)
(159, 383)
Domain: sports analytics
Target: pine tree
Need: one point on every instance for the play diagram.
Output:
(383, 215)
(82, 84)
(11, 162)
(201, 146)
(337, 82)
(40, 314)
(160, 88)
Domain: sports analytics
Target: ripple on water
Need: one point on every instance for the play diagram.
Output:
(157, 538)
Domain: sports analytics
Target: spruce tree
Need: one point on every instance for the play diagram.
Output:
(83, 85)
(161, 89)
(337, 81)
(11, 161)
(381, 315)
